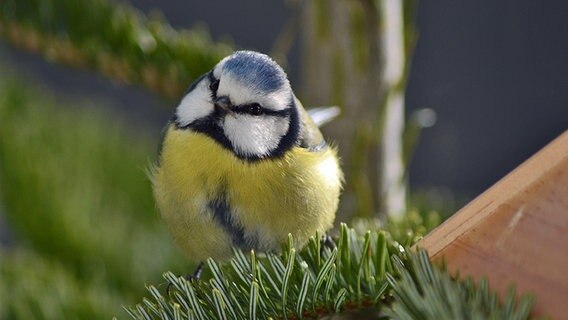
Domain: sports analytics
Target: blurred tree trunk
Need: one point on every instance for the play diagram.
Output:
(354, 54)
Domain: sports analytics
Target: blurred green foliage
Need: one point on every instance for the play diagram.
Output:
(404, 231)
(113, 38)
(74, 191)
(35, 287)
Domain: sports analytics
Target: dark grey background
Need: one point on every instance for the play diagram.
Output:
(495, 72)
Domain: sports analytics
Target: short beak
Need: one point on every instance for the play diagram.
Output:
(224, 104)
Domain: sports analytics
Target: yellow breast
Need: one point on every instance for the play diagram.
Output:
(267, 199)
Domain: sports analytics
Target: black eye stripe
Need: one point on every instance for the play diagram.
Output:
(254, 109)
(245, 109)
(281, 113)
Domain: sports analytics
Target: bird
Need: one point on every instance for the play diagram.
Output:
(242, 164)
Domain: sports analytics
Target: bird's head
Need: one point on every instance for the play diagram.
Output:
(246, 104)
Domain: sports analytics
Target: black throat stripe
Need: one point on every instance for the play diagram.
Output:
(222, 216)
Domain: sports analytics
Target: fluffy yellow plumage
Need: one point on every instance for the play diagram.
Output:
(242, 163)
(296, 193)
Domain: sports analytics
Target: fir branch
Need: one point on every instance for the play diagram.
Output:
(313, 283)
(304, 284)
(114, 39)
(422, 291)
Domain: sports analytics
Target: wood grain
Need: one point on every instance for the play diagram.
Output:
(516, 232)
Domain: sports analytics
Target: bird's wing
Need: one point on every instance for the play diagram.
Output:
(310, 135)
(323, 115)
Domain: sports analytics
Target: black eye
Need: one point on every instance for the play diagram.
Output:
(214, 85)
(255, 109)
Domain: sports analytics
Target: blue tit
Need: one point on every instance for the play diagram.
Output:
(242, 164)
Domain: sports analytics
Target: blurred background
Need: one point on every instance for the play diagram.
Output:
(482, 84)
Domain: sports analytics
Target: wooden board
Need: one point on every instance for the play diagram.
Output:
(516, 232)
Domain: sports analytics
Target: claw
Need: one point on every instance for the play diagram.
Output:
(189, 277)
(327, 242)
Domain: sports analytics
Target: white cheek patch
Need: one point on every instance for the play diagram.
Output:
(195, 105)
(255, 135)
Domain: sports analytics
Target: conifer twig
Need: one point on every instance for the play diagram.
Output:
(311, 283)
(423, 291)
(305, 284)
(114, 39)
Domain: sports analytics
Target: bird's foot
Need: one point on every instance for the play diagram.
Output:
(194, 277)
(327, 242)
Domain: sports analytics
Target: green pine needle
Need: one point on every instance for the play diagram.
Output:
(423, 291)
(311, 283)
(308, 283)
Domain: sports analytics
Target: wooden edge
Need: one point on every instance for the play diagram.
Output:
(476, 211)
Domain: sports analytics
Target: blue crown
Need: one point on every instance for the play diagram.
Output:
(256, 70)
